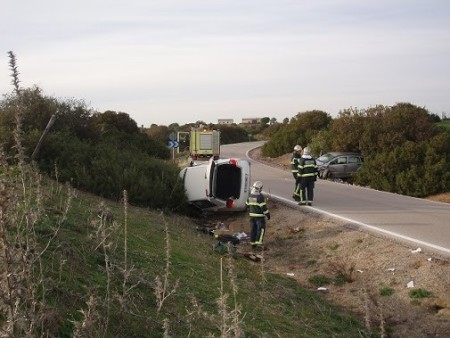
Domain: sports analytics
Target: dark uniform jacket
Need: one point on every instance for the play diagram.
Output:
(307, 167)
(294, 163)
(257, 205)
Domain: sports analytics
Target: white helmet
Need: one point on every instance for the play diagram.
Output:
(306, 151)
(258, 185)
(297, 148)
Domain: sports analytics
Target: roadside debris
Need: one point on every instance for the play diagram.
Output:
(410, 284)
(416, 250)
(295, 229)
(240, 235)
(253, 257)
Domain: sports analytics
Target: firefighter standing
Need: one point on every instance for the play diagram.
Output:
(258, 212)
(307, 173)
(296, 155)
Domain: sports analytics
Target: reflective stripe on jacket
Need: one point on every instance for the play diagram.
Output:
(257, 205)
(294, 162)
(307, 167)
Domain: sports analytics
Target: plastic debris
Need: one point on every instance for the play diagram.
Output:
(429, 259)
(416, 250)
(360, 271)
(322, 289)
(290, 274)
(410, 284)
(240, 235)
(391, 269)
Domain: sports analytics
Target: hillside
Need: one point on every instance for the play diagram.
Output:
(76, 265)
(99, 268)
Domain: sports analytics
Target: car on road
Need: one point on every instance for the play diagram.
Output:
(339, 164)
(218, 184)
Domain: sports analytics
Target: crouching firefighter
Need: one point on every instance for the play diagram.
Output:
(258, 212)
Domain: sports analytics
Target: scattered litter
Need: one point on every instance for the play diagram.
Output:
(290, 274)
(240, 235)
(391, 269)
(429, 259)
(253, 257)
(295, 229)
(322, 289)
(416, 250)
(222, 226)
(360, 271)
(410, 284)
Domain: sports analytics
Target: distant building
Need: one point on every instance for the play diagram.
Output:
(225, 121)
(251, 120)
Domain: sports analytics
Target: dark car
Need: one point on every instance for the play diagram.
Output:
(339, 164)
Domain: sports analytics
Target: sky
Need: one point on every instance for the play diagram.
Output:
(182, 61)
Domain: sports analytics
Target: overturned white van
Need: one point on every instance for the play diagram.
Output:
(218, 185)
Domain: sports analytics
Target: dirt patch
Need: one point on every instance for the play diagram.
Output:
(366, 274)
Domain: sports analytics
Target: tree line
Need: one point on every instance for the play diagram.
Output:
(405, 149)
(102, 153)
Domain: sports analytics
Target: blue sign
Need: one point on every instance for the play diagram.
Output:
(173, 144)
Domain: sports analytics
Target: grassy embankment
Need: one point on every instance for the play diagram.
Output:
(101, 268)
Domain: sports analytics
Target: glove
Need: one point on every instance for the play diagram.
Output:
(268, 216)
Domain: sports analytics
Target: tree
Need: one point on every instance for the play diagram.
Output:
(160, 133)
(174, 127)
(120, 121)
(346, 130)
(301, 130)
(265, 121)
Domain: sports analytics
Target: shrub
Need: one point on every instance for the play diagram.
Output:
(386, 291)
(420, 293)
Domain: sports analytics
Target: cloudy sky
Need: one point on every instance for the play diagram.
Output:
(166, 61)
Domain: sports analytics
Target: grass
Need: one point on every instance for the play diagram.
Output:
(320, 280)
(420, 293)
(386, 292)
(445, 124)
(84, 279)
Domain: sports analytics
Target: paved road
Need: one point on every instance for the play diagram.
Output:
(413, 221)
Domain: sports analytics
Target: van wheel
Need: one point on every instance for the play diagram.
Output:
(326, 174)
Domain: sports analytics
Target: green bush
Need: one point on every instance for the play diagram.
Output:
(420, 293)
(301, 130)
(386, 291)
(413, 169)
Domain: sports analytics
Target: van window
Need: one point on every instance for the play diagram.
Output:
(342, 160)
